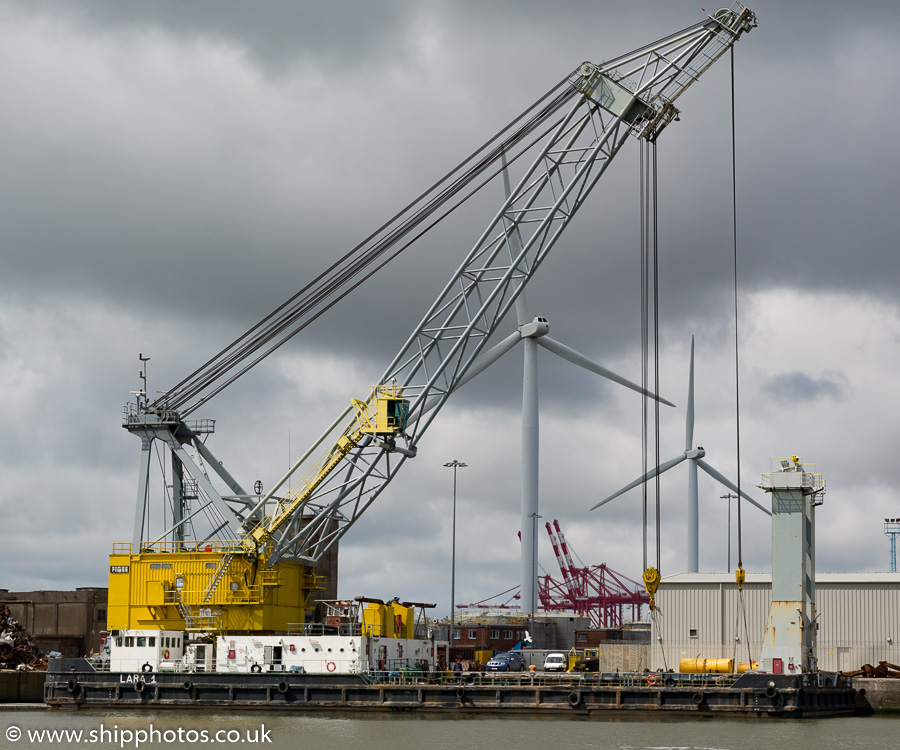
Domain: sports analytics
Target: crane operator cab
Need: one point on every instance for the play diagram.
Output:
(391, 412)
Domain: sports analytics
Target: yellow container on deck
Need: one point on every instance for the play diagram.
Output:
(706, 666)
(746, 666)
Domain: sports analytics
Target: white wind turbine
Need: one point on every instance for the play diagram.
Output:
(694, 457)
(533, 333)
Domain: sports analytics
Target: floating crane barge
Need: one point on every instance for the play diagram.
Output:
(202, 617)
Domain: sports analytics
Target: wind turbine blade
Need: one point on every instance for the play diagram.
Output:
(730, 485)
(649, 475)
(689, 418)
(576, 358)
(484, 360)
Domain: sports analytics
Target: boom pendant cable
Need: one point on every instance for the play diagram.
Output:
(335, 282)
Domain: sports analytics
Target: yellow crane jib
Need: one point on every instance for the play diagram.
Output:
(651, 583)
(386, 420)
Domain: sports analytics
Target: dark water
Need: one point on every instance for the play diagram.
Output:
(280, 731)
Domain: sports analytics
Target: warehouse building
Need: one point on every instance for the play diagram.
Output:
(703, 615)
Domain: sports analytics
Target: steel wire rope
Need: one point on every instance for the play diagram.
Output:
(286, 323)
(644, 337)
(649, 195)
(655, 185)
(289, 311)
(737, 381)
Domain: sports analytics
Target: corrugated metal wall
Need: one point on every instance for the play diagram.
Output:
(859, 621)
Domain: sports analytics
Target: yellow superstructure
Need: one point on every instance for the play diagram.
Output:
(171, 589)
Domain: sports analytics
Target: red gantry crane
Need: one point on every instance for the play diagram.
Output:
(595, 591)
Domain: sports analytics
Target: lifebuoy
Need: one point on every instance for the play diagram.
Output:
(651, 679)
(166, 654)
(331, 666)
(147, 668)
(255, 668)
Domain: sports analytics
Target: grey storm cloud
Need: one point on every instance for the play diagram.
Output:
(798, 387)
(173, 171)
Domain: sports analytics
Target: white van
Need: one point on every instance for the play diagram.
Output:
(556, 663)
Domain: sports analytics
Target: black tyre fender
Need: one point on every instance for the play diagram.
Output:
(72, 686)
(698, 698)
(187, 685)
(771, 692)
(147, 668)
(282, 687)
(255, 668)
(139, 686)
(574, 698)
(460, 693)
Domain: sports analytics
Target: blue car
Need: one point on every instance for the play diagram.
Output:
(508, 661)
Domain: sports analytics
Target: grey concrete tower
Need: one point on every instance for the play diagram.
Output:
(789, 645)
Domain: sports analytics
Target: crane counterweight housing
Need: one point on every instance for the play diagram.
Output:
(225, 559)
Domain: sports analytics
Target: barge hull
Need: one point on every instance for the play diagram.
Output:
(74, 683)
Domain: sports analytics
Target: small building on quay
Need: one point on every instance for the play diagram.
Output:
(68, 622)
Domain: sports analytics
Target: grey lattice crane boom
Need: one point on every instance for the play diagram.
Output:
(632, 95)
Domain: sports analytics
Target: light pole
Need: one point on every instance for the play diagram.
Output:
(729, 497)
(454, 464)
(532, 605)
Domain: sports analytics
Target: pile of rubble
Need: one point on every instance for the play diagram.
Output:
(17, 650)
(882, 670)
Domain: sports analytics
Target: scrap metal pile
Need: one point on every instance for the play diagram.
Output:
(882, 670)
(17, 650)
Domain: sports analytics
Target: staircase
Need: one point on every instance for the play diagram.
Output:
(220, 570)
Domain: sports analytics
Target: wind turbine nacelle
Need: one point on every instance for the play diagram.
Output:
(535, 329)
(698, 452)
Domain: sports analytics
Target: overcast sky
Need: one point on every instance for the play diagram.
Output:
(172, 171)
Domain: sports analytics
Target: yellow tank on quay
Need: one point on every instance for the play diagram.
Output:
(715, 666)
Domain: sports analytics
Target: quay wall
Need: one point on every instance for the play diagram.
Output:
(22, 687)
(883, 694)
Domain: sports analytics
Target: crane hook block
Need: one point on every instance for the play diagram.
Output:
(651, 583)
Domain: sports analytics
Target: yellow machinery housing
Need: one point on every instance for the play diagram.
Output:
(391, 620)
(170, 589)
